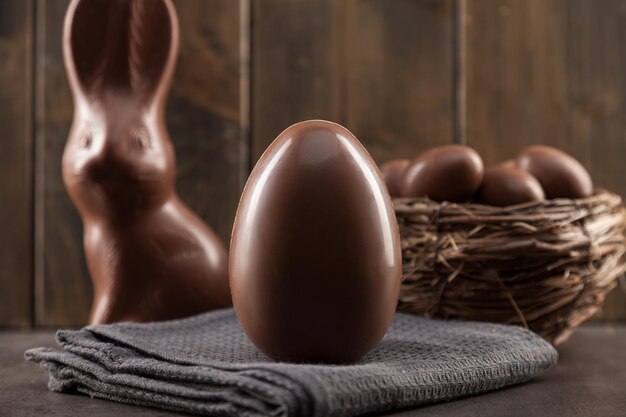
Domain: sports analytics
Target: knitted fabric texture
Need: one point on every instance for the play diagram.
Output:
(206, 365)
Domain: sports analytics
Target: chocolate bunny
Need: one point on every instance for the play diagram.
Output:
(149, 256)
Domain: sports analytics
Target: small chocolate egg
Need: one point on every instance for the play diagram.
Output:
(446, 173)
(508, 186)
(560, 175)
(393, 171)
(315, 261)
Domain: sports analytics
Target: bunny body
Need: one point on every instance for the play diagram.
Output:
(149, 256)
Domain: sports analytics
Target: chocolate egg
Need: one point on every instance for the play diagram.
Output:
(560, 175)
(446, 173)
(393, 171)
(506, 186)
(315, 262)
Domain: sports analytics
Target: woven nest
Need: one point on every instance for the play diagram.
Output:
(546, 266)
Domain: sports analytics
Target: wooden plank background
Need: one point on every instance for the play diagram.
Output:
(403, 75)
(16, 164)
(551, 72)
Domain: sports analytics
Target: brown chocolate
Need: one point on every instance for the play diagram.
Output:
(446, 173)
(393, 172)
(315, 253)
(149, 256)
(560, 175)
(506, 186)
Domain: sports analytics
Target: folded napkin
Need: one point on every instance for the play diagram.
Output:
(206, 365)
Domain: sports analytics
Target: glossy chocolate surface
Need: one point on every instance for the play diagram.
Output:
(560, 175)
(149, 256)
(446, 173)
(315, 253)
(393, 172)
(506, 186)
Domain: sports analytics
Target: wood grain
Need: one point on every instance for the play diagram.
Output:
(516, 92)
(204, 113)
(16, 163)
(398, 74)
(359, 63)
(203, 117)
(550, 72)
(62, 286)
(596, 85)
(296, 59)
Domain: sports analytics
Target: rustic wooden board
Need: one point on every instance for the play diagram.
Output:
(550, 72)
(383, 69)
(16, 33)
(62, 287)
(205, 122)
(295, 66)
(398, 95)
(515, 68)
(596, 84)
(207, 109)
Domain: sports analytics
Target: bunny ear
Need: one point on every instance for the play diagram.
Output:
(122, 46)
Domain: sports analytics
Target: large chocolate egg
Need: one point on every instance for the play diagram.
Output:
(446, 173)
(506, 186)
(560, 175)
(393, 172)
(315, 262)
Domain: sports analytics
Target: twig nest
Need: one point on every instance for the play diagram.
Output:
(545, 265)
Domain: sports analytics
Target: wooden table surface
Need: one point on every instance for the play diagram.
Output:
(590, 380)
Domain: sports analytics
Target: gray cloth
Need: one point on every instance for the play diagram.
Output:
(206, 365)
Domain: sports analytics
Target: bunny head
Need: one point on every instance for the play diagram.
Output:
(120, 57)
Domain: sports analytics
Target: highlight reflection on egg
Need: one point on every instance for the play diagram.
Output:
(315, 263)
